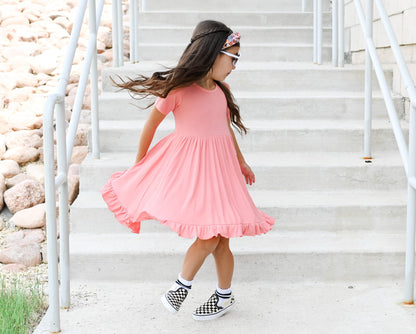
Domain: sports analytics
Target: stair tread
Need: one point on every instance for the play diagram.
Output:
(315, 94)
(265, 124)
(287, 199)
(279, 242)
(251, 65)
(278, 159)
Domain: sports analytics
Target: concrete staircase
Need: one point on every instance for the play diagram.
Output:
(337, 217)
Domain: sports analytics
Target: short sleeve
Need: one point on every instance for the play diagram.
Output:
(168, 104)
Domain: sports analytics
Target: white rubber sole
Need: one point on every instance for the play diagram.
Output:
(212, 316)
(167, 305)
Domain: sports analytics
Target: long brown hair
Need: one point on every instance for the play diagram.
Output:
(196, 61)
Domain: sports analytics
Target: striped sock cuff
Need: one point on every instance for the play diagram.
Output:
(223, 295)
(187, 287)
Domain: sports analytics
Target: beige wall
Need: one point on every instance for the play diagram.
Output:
(402, 15)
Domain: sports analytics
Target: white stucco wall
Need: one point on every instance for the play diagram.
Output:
(402, 14)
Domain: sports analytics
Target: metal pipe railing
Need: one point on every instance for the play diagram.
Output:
(408, 154)
(317, 31)
(118, 53)
(134, 31)
(64, 151)
(340, 33)
(368, 84)
(118, 56)
(335, 32)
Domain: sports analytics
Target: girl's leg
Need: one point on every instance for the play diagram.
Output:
(196, 255)
(224, 261)
(222, 300)
(194, 258)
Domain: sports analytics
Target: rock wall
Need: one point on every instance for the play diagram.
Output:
(34, 35)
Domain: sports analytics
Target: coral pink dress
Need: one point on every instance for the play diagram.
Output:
(191, 179)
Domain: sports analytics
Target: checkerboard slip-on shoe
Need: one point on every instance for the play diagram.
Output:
(212, 310)
(173, 299)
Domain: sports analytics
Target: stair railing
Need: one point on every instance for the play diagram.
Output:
(65, 138)
(408, 154)
(118, 38)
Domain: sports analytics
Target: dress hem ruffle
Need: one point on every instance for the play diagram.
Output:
(184, 230)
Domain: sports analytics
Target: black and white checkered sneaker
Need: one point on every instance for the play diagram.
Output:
(174, 298)
(211, 310)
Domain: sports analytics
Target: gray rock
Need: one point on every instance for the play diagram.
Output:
(2, 145)
(22, 155)
(2, 189)
(14, 267)
(9, 168)
(24, 195)
(36, 172)
(23, 138)
(33, 217)
(17, 179)
(26, 254)
(73, 182)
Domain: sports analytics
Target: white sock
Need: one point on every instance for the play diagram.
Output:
(223, 294)
(183, 283)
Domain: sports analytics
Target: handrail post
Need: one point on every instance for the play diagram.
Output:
(50, 200)
(94, 81)
(303, 5)
(319, 35)
(340, 33)
(335, 33)
(134, 31)
(63, 204)
(117, 33)
(368, 83)
(315, 31)
(120, 32)
(411, 211)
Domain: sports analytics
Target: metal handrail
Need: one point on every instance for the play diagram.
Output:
(65, 143)
(408, 154)
(118, 49)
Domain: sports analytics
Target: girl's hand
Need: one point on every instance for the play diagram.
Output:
(248, 173)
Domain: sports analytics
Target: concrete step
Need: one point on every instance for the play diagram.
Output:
(267, 135)
(252, 52)
(334, 211)
(321, 256)
(285, 170)
(269, 76)
(232, 19)
(265, 105)
(229, 6)
(249, 34)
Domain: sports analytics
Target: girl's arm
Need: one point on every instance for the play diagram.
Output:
(245, 169)
(148, 132)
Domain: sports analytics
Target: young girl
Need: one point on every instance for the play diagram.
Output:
(193, 179)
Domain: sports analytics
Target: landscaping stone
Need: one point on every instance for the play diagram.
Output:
(2, 189)
(11, 182)
(36, 172)
(33, 217)
(78, 154)
(26, 254)
(23, 138)
(9, 168)
(14, 267)
(73, 182)
(22, 155)
(24, 195)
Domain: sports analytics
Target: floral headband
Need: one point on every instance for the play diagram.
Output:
(234, 38)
